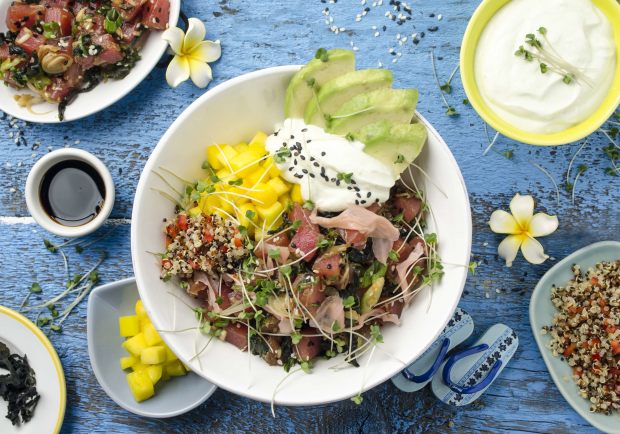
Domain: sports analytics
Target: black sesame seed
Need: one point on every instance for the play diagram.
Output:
(357, 202)
(302, 157)
(312, 158)
(303, 130)
(338, 183)
(433, 29)
(369, 194)
(334, 179)
(305, 171)
(377, 200)
(322, 154)
(290, 169)
(312, 175)
(363, 202)
(295, 162)
(358, 195)
(315, 164)
(298, 175)
(349, 188)
(292, 137)
(356, 188)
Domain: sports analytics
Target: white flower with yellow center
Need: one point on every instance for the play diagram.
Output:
(191, 54)
(522, 227)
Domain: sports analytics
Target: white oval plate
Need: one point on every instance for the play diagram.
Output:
(235, 111)
(102, 96)
(23, 337)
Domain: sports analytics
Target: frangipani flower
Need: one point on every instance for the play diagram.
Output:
(522, 227)
(191, 54)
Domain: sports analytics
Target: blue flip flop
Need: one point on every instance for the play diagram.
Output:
(467, 374)
(419, 373)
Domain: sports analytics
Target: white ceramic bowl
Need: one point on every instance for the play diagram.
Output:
(33, 188)
(232, 112)
(101, 97)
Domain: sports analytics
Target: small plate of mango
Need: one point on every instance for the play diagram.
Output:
(132, 363)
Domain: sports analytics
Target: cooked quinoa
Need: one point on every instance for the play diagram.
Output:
(586, 333)
(205, 243)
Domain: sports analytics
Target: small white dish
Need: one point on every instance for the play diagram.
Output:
(105, 305)
(33, 188)
(232, 112)
(102, 96)
(24, 338)
(542, 312)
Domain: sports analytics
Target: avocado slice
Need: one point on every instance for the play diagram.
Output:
(396, 105)
(339, 90)
(309, 79)
(394, 144)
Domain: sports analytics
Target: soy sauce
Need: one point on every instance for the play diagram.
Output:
(72, 193)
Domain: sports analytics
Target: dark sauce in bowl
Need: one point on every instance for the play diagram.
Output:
(72, 193)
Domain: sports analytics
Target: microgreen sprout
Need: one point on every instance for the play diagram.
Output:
(548, 58)
(400, 158)
(346, 177)
(450, 110)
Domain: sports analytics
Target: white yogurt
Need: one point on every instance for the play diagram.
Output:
(333, 172)
(517, 90)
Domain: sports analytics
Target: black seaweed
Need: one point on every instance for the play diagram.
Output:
(18, 387)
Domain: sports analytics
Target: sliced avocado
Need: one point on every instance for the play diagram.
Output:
(396, 145)
(339, 90)
(395, 105)
(309, 79)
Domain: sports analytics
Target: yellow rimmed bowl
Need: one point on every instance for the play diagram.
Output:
(478, 22)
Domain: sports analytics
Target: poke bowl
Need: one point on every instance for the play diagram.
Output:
(67, 60)
(231, 113)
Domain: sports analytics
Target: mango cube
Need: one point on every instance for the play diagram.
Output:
(226, 154)
(129, 325)
(194, 211)
(141, 385)
(139, 367)
(150, 335)
(296, 194)
(271, 167)
(278, 185)
(212, 154)
(154, 372)
(135, 344)
(258, 142)
(241, 147)
(270, 213)
(175, 369)
(128, 362)
(245, 162)
(140, 310)
(263, 195)
(153, 355)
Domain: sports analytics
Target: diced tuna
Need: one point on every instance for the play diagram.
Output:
(63, 17)
(22, 15)
(156, 14)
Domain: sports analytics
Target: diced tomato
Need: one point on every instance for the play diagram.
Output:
(577, 371)
(58, 90)
(22, 15)
(237, 334)
(615, 346)
(611, 329)
(29, 41)
(328, 265)
(594, 280)
(596, 357)
(408, 205)
(156, 14)
(304, 241)
(4, 51)
(312, 293)
(63, 17)
(128, 8)
(182, 222)
(309, 346)
(569, 350)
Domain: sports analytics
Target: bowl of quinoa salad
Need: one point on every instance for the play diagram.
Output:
(575, 318)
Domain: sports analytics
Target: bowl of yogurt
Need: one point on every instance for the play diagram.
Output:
(543, 73)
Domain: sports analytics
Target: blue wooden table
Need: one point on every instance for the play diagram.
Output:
(258, 34)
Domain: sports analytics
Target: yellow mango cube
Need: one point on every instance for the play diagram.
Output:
(129, 325)
(223, 174)
(286, 201)
(153, 355)
(141, 385)
(170, 356)
(128, 362)
(154, 372)
(278, 185)
(270, 213)
(226, 154)
(258, 142)
(296, 194)
(271, 167)
(263, 195)
(175, 369)
(242, 215)
(246, 162)
(135, 344)
(165, 376)
(195, 211)
(140, 310)
(139, 367)
(212, 157)
(150, 335)
(241, 147)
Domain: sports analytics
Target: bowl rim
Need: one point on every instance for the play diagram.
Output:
(549, 360)
(172, 130)
(141, 70)
(485, 11)
(113, 286)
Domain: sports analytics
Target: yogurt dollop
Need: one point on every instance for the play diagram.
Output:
(333, 172)
(576, 31)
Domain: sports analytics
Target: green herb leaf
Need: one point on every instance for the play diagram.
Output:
(543, 68)
(321, 53)
(274, 253)
(309, 205)
(51, 29)
(542, 30)
(400, 158)
(451, 111)
(250, 214)
(236, 182)
(346, 177)
(394, 255)
(56, 328)
(36, 288)
(348, 302)
(296, 337)
(568, 78)
(357, 399)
